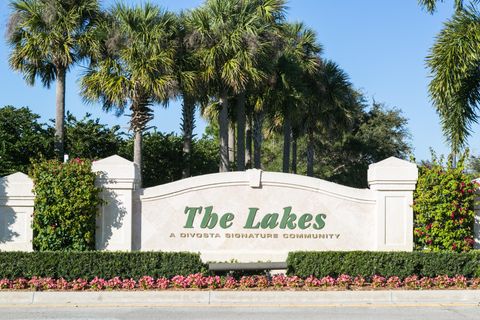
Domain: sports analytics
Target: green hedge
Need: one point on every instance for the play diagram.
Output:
(401, 264)
(72, 265)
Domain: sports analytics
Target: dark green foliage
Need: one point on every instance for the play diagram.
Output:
(367, 264)
(89, 139)
(163, 159)
(66, 205)
(21, 138)
(88, 265)
(444, 207)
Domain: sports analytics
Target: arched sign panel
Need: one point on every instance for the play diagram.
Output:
(256, 216)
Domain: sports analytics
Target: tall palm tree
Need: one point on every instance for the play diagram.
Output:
(47, 37)
(329, 107)
(454, 63)
(134, 65)
(190, 87)
(229, 42)
(298, 58)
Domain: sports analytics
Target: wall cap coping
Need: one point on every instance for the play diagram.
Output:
(115, 168)
(16, 186)
(255, 179)
(392, 171)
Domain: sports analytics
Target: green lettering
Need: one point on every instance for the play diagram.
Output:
(190, 212)
(304, 221)
(209, 218)
(320, 221)
(288, 219)
(226, 220)
(251, 218)
(269, 221)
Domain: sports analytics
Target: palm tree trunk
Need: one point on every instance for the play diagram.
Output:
(231, 144)
(257, 138)
(137, 155)
(60, 113)
(188, 124)
(248, 141)
(287, 133)
(294, 154)
(241, 119)
(454, 159)
(310, 154)
(223, 128)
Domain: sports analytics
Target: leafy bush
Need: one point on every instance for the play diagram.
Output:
(444, 207)
(66, 205)
(387, 264)
(73, 265)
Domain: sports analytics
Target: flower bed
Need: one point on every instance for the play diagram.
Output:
(277, 282)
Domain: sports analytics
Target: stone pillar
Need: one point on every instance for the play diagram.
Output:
(117, 177)
(16, 212)
(393, 181)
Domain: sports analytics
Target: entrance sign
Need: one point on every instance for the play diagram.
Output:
(260, 216)
(246, 216)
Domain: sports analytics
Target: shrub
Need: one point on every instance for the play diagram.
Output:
(66, 202)
(91, 264)
(444, 207)
(367, 264)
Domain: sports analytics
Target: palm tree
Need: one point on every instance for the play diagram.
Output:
(454, 63)
(298, 58)
(190, 87)
(48, 37)
(133, 66)
(329, 107)
(229, 42)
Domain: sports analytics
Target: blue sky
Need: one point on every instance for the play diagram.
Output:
(381, 44)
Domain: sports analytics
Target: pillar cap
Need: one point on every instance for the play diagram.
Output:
(398, 173)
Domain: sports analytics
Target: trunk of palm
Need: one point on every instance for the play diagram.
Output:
(257, 138)
(310, 154)
(294, 154)
(248, 142)
(141, 115)
(231, 144)
(137, 155)
(223, 132)
(241, 119)
(60, 113)
(287, 134)
(188, 124)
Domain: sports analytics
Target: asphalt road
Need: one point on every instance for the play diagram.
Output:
(352, 312)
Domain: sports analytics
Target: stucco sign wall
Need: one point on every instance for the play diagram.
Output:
(244, 216)
(255, 215)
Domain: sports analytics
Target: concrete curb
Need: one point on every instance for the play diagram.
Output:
(241, 298)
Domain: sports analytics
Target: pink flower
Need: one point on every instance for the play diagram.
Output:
(114, 283)
(146, 282)
(394, 282)
(378, 281)
(230, 283)
(162, 283)
(79, 284)
(129, 284)
(344, 280)
(279, 281)
(98, 283)
(312, 282)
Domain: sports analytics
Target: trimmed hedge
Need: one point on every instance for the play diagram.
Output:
(87, 265)
(367, 264)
